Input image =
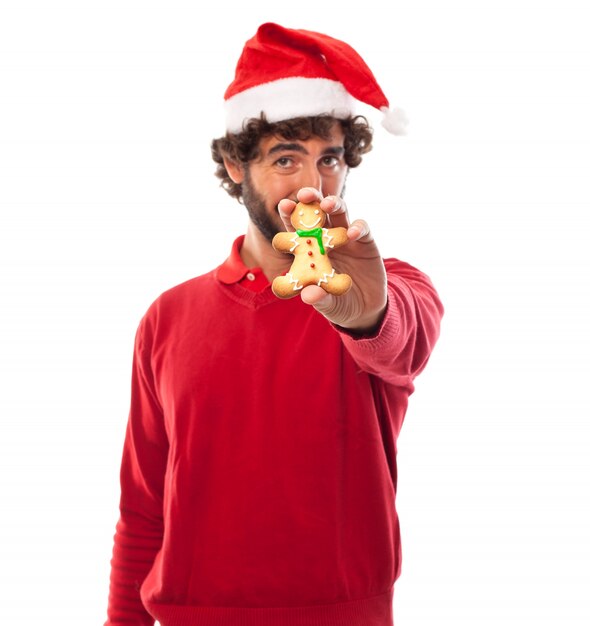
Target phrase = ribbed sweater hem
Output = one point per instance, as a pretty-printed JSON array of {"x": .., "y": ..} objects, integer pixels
[{"x": 376, "y": 611}]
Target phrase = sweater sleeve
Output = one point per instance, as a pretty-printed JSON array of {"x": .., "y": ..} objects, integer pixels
[
  {"x": 401, "y": 347},
  {"x": 139, "y": 531}
]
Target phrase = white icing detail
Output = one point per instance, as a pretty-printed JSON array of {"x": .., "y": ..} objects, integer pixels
[
  {"x": 327, "y": 238},
  {"x": 300, "y": 212},
  {"x": 311, "y": 225},
  {"x": 292, "y": 279},
  {"x": 316, "y": 212},
  {"x": 295, "y": 241},
  {"x": 325, "y": 277}
]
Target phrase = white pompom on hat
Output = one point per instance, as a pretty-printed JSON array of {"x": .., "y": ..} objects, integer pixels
[{"x": 286, "y": 73}]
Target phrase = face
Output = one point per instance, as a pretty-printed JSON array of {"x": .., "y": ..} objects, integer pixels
[
  {"x": 307, "y": 217},
  {"x": 283, "y": 168}
]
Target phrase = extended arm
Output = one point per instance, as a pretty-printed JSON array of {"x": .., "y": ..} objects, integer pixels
[
  {"x": 398, "y": 350},
  {"x": 390, "y": 318}
]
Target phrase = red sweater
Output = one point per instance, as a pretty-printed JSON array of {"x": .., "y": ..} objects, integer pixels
[{"x": 258, "y": 477}]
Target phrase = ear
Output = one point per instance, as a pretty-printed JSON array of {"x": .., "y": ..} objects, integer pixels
[{"x": 235, "y": 170}]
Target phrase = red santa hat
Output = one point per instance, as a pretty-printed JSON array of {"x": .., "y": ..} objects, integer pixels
[{"x": 286, "y": 73}]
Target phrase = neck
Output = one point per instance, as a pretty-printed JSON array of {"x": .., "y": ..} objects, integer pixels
[{"x": 257, "y": 251}]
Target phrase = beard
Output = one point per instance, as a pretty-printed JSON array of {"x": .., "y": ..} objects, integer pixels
[{"x": 268, "y": 224}]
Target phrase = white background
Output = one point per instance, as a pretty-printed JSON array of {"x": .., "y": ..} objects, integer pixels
[{"x": 108, "y": 197}]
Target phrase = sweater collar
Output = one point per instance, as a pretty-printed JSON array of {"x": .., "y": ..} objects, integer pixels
[{"x": 233, "y": 270}]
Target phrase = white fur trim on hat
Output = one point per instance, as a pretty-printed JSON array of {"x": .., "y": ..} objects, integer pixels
[{"x": 287, "y": 98}]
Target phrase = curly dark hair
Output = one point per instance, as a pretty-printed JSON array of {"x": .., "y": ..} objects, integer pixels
[{"x": 244, "y": 147}]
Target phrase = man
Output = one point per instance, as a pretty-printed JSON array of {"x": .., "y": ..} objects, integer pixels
[{"x": 258, "y": 475}]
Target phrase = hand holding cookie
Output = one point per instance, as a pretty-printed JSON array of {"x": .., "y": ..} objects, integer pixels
[
  {"x": 310, "y": 244},
  {"x": 362, "y": 307}
]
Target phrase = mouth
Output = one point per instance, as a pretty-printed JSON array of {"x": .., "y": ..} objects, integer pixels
[{"x": 311, "y": 225}]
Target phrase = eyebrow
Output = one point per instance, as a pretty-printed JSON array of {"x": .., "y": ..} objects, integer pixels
[{"x": 296, "y": 147}]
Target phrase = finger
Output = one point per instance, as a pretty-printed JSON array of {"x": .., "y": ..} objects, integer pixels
[
  {"x": 285, "y": 208},
  {"x": 317, "y": 297},
  {"x": 336, "y": 209},
  {"x": 308, "y": 195},
  {"x": 359, "y": 231}
]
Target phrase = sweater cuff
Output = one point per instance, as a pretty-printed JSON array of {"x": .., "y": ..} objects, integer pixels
[{"x": 385, "y": 335}]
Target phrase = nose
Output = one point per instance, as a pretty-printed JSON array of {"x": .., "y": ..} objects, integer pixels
[{"x": 310, "y": 177}]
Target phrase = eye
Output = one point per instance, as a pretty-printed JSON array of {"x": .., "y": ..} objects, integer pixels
[
  {"x": 301, "y": 213},
  {"x": 316, "y": 212},
  {"x": 284, "y": 162},
  {"x": 330, "y": 161}
]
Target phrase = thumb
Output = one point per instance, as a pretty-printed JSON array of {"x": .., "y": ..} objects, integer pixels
[{"x": 322, "y": 301}]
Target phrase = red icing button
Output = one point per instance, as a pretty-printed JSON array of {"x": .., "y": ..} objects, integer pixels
[
  {"x": 310, "y": 253},
  {"x": 309, "y": 241},
  {"x": 312, "y": 265}
]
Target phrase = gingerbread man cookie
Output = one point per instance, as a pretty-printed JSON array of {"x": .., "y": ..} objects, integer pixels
[{"x": 310, "y": 244}]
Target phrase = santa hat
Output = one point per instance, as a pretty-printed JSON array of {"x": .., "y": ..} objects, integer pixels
[{"x": 286, "y": 73}]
